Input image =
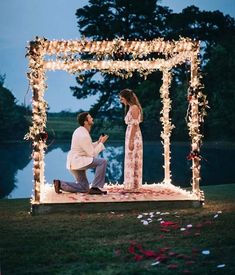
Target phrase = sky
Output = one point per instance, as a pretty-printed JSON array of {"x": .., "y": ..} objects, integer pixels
[{"x": 22, "y": 20}]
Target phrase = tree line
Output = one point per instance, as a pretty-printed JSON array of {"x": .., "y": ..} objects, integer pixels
[{"x": 14, "y": 123}]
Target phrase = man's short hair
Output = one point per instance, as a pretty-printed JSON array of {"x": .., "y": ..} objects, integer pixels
[{"x": 82, "y": 117}]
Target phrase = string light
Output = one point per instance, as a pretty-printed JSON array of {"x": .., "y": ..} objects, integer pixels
[{"x": 104, "y": 54}]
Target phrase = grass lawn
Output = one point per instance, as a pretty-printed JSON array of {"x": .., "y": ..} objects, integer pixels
[
  {"x": 119, "y": 243},
  {"x": 61, "y": 128}
]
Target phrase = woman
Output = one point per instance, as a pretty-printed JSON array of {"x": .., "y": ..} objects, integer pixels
[{"x": 133, "y": 140}]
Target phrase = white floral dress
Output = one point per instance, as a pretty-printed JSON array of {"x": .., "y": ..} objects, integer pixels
[{"x": 133, "y": 159}]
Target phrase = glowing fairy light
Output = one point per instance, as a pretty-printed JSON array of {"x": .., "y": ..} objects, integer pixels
[{"x": 66, "y": 56}]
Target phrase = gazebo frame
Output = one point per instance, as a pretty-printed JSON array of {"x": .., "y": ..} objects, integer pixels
[{"x": 66, "y": 53}]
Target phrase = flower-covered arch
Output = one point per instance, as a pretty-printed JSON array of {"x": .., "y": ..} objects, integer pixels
[{"x": 66, "y": 55}]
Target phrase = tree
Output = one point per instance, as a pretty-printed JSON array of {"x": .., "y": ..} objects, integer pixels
[
  {"x": 109, "y": 19},
  {"x": 13, "y": 124},
  {"x": 219, "y": 84},
  {"x": 210, "y": 27},
  {"x": 105, "y": 19}
]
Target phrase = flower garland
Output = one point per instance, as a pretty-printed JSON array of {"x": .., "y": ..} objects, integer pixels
[
  {"x": 120, "y": 58},
  {"x": 166, "y": 122}
]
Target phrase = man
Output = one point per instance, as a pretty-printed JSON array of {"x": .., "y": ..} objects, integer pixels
[{"x": 82, "y": 156}]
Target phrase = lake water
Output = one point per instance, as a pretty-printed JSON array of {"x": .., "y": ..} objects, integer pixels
[{"x": 16, "y": 175}]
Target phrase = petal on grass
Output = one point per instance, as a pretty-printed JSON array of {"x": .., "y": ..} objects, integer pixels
[
  {"x": 190, "y": 262},
  {"x": 172, "y": 254},
  {"x": 138, "y": 257},
  {"x": 149, "y": 253},
  {"x": 168, "y": 223},
  {"x": 172, "y": 266},
  {"x": 165, "y": 230},
  {"x": 72, "y": 198},
  {"x": 205, "y": 252},
  {"x": 186, "y": 271},
  {"x": 220, "y": 265},
  {"x": 155, "y": 263},
  {"x": 131, "y": 249}
]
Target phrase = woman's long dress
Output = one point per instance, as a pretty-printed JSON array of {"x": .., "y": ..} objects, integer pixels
[{"x": 133, "y": 159}]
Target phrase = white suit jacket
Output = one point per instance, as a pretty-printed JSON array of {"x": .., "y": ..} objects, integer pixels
[{"x": 83, "y": 150}]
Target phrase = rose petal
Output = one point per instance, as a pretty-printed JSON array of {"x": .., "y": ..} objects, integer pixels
[
  {"x": 155, "y": 263},
  {"x": 190, "y": 262},
  {"x": 186, "y": 271},
  {"x": 138, "y": 257},
  {"x": 220, "y": 265},
  {"x": 149, "y": 253},
  {"x": 172, "y": 254},
  {"x": 172, "y": 266},
  {"x": 73, "y": 198},
  {"x": 199, "y": 225},
  {"x": 165, "y": 230},
  {"x": 131, "y": 249},
  {"x": 206, "y": 252}
]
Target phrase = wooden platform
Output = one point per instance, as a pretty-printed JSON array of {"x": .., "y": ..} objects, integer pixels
[{"x": 149, "y": 196}]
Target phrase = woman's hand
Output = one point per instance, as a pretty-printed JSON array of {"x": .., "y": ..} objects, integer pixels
[{"x": 131, "y": 145}]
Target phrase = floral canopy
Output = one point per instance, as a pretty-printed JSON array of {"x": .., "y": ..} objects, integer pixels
[{"x": 67, "y": 55}]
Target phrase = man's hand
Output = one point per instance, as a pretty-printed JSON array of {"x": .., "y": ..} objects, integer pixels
[{"x": 103, "y": 138}]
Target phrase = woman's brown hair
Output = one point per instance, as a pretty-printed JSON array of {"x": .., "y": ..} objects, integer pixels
[{"x": 131, "y": 99}]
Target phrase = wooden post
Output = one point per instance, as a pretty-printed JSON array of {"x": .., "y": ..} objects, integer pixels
[
  {"x": 166, "y": 123},
  {"x": 37, "y": 82},
  {"x": 195, "y": 124}
]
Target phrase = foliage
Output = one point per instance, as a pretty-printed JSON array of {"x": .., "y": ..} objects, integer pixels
[
  {"x": 109, "y": 20},
  {"x": 220, "y": 83},
  {"x": 103, "y": 19},
  {"x": 12, "y": 116}
]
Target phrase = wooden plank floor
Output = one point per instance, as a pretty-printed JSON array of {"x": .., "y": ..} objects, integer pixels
[{"x": 117, "y": 199}]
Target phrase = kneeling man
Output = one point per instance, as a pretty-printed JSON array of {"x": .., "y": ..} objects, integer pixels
[{"x": 82, "y": 156}]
